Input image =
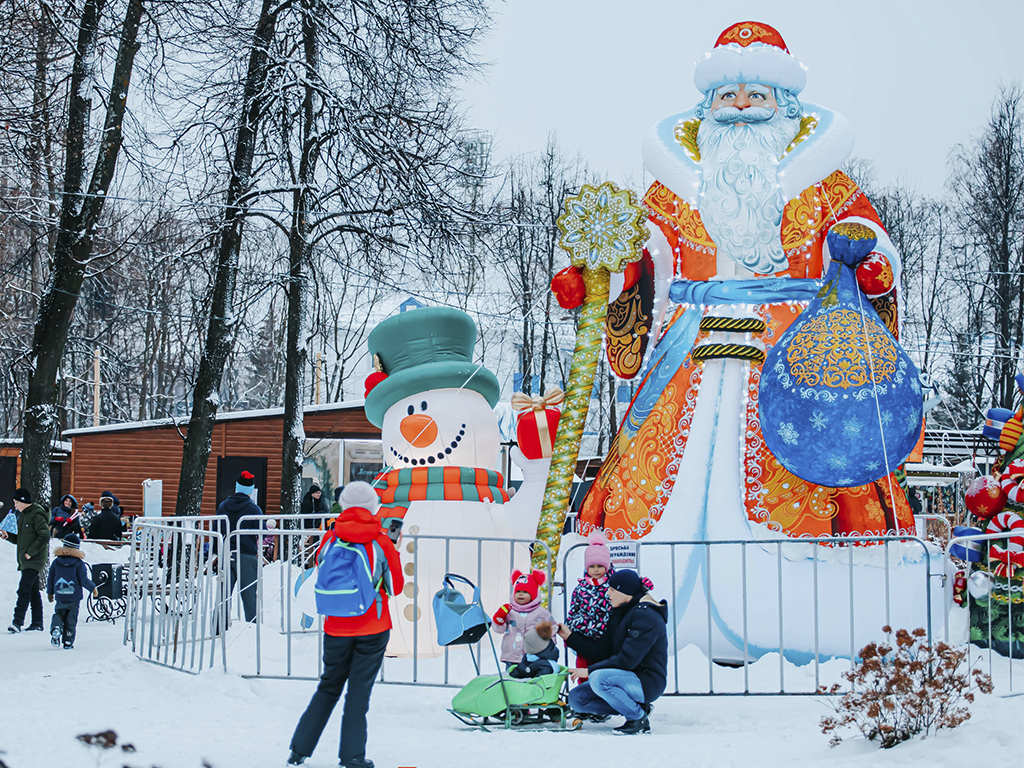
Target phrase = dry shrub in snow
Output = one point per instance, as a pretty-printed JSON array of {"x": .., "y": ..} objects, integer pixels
[{"x": 903, "y": 687}]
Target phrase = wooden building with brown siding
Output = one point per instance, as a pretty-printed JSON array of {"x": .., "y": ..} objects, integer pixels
[{"x": 119, "y": 457}]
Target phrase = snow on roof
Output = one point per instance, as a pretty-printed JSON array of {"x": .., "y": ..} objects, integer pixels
[
  {"x": 229, "y": 416},
  {"x": 58, "y": 445}
]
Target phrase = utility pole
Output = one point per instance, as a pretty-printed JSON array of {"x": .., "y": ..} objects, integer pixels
[
  {"x": 319, "y": 375},
  {"x": 96, "y": 388}
]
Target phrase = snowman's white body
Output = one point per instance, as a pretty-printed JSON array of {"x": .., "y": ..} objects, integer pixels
[{"x": 454, "y": 427}]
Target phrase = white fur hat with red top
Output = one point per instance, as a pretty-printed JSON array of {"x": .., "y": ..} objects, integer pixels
[
  {"x": 530, "y": 583},
  {"x": 750, "y": 52}
]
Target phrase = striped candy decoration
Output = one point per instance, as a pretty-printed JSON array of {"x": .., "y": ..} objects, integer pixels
[
  {"x": 1011, "y": 432},
  {"x": 1009, "y": 481},
  {"x": 1012, "y": 556}
]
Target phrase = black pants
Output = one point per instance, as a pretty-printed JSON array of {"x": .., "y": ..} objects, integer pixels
[
  {"x": 356, "y": 660},
  {"x": 29, "y": 594},
  {"x": 65, "y": 619}
]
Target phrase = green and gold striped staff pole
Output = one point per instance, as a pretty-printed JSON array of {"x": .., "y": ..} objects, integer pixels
[{"x": 603, "y": 230}]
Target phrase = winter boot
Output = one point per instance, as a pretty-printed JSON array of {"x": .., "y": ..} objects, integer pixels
[
  {"x": 359, "y": 762},
  {"x": 296, "y": 759},
  {"x": 35, "y": 627},
  {"x": 643, "y": 725},
  {"x": 14, "y": 629},
  {"x": 55, "y": 638}
]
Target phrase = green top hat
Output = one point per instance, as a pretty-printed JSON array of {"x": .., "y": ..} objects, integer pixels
[{"x": 425, "y": 349}]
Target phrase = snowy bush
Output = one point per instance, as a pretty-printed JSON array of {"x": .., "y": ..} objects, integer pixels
[{"x": 903, "y": 687}]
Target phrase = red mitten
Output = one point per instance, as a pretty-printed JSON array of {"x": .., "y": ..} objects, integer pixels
[{"x": 500, "y": 615}]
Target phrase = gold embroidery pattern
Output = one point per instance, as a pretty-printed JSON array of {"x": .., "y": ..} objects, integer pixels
[
  {"x": 686, "y": 137},
  {"x": 807, "y": 125},
  {"x": 887, "y": 308},
  {"x": 626, "y": 326},
  {"x": 830, "y": 350},
  {"x": 746, "y": 34}
]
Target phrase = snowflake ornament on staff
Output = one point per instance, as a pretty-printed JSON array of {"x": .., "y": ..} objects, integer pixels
[{"x": 603, "y": 230}]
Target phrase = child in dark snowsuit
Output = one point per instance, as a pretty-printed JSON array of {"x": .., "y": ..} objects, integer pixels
[
  {"x": 68, "y": 575},
  {"x": 589, "y": 608},
  {"x": 541, "y": 653}
]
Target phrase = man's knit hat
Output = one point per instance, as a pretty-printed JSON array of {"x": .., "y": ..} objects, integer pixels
[
  {"x": 23, "y": 496},
  {"x": 72, "y": 541},
  {"x": 359, "y": 494},
  {"x": 246, "y": 482},
  {"x": 627, "y": 582},
  {"x": 530, "y": 583},
  {"x": 597, "y": 552}
]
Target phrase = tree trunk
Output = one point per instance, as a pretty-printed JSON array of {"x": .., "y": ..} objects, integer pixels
[
  {"x": 220, "y": 334},
  {"x": 299, "y": 251},
  {"x": 78, "y": 218}
]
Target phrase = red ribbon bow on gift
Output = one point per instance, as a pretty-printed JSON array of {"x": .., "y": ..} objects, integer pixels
[
  {"x": 524, "y": 402},
  {"x": 1008, "y": 561}
]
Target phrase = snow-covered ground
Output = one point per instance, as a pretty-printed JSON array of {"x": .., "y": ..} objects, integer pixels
[{"x": 49, "y": 696}]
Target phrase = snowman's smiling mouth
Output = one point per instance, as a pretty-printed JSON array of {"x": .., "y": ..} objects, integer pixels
[{"x": 434, "y": 458}]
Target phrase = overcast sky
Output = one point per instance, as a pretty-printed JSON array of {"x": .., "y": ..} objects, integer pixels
[{"x": 915, "y": 77}]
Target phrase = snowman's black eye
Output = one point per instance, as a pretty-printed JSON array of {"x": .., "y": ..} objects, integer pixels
[
  {"x": 423, "y": 405},
  {"x": 411, "y": 410}
]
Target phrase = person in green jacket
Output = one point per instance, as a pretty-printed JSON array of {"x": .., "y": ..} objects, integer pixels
[{"x": 32, "y": 538}]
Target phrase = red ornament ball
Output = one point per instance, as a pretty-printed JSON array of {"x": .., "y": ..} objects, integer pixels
[
  {"x": 984, "y": 498},
  {"x": 874, "y": 275},
  {"x": 568, "y": 287}
]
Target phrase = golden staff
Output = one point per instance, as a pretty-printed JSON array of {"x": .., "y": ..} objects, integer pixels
[{"x": 603, "y": 230}]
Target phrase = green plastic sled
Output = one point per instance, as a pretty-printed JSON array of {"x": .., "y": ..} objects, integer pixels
[{"x": 483, "y": 696}]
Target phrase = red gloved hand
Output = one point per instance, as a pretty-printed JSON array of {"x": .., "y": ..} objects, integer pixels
[{"x": 500, "y": 615}]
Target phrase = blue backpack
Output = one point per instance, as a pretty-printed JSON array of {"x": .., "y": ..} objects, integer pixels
[{"x": 347, "y": 583}]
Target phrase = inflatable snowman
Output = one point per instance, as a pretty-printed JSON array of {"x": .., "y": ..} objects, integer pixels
[{"x": 441, "y": 445}]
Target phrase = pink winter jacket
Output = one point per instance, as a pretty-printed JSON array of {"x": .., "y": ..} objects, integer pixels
[{"x": 520, "y": 620}]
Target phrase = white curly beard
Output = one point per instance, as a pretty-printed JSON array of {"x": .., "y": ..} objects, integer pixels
[{"x": 740, "y": 201}]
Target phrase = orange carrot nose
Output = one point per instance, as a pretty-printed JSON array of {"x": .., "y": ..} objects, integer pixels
[{"x": 420, "y": 430}]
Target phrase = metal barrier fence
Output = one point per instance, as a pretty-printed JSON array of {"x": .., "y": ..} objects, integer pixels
[
  {"x": 817, "y": 599},
  {"x": 808, "y": 601},
  {"x": 176, "y": 613},
  {"x": 285, "y": 550},
  {"x": 990, "y": 586}
]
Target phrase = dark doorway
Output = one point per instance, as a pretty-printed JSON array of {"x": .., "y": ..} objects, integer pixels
[
  {"x": 230, "y": 467},
  {"x": 8, "y": 483}
]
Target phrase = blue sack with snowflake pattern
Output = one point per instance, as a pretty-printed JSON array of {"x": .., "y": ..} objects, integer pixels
[{"x": 840, "y": 400}]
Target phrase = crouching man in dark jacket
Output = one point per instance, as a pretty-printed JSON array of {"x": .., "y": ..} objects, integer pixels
[{"x": 632, "y": 667}]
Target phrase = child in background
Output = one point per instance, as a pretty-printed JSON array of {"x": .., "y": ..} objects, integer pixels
[
  {"x": 589, "y": 608},
  {"x": 68, "y": 575},
  {"x": 517, "y": 618}
]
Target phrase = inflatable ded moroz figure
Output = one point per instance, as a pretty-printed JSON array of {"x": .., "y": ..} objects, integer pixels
[
  {"x": 776, "y": 400},
  {"x": 441, "y": 445}
]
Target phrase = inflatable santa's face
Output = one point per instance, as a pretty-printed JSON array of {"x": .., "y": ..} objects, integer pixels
[{"x": 442, "y": 427}]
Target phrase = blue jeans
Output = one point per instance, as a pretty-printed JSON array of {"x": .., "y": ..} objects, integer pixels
[{"x": 609, "y": 692}]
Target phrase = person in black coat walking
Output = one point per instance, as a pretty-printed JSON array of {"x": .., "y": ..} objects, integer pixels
[
  {"x": 631, "y": 667},
  {"x": 243, "y": 554},
  {"x": 314, "y": 503}
]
